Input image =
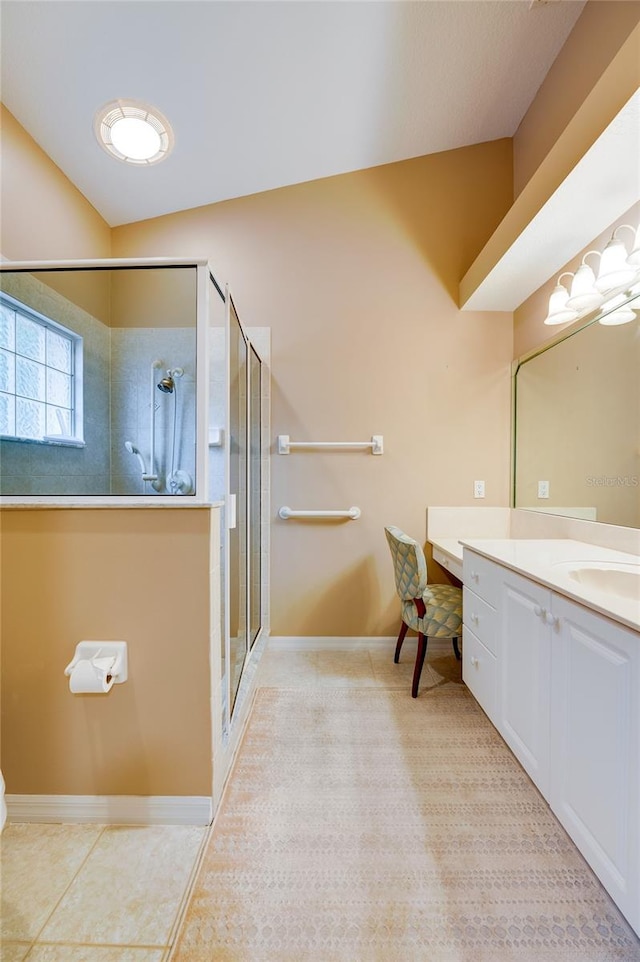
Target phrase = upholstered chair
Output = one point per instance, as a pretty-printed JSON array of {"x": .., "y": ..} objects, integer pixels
[{"x": 434, "y": 611}]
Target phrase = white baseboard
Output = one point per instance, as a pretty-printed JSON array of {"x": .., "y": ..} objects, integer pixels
[
  {"x": 348, "y": 643},
  {"x": 327, "y": 642},
  {"x": 112, "y": 809}
]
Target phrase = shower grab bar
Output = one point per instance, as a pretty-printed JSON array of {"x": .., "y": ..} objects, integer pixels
[
  {"x": 285, "y": 444},
  {"x": 351, "y": 513},
  {"x": 152, "y": 475}
]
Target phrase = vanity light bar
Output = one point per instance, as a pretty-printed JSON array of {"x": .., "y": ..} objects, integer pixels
[{"x": 618, "y": 269}]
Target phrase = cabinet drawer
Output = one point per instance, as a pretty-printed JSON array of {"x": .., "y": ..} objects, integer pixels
[
  {"x": 479, "y": 672},
  {"x": 480, "y": 617},
  {"x": 482, "y": 576},
  {"x": 451, "y": 564}
]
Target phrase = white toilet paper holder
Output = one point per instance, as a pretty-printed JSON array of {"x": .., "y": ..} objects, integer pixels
[{"x": 109, "y": 656}]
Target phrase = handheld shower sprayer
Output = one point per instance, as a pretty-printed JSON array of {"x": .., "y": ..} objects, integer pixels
[{"x": 132, "y": 449}]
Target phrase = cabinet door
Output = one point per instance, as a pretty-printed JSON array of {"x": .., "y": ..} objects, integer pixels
[
  {"x": 524, "y": 657},
  {"x": 595, "y": 769}
]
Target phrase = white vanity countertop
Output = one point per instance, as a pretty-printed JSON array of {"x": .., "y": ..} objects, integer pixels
[{"x": 537, "y": 559}]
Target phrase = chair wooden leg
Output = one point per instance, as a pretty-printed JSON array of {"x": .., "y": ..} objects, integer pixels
[
  {"x": 417, "y": 671},
  {"x": 403, "y": 631},
  {"x": 456, "y": 650}
]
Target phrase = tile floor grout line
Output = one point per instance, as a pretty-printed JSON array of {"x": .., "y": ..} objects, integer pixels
[
  {"x": 147, "y": 946},
  {"x": 72, "y": 880},
  {"x": 19, "y": 942}
]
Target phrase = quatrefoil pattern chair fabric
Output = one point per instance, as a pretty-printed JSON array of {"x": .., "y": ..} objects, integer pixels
[
  {"x": 434, "y": 611},
  {"x": 443, "y": 617},
  {"x": 444, "y": 612}
]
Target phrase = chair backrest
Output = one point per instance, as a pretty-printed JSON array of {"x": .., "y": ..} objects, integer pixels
[{"x": 409, "y": 565}]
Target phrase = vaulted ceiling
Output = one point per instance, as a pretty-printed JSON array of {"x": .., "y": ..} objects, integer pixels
[{"x": 264, "y": 93}]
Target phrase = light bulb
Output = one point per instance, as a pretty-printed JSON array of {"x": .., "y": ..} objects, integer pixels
[{"x": 135, "y": 138}]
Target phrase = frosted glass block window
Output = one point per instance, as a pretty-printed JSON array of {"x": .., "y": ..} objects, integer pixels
[
  {"x": 40, "y": 376},
  {"x": 30, "y": 338}
]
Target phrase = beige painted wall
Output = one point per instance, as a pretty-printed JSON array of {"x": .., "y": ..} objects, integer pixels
[
  {"x": 45, "y": 217},
  {"x": 164, "y": 297},
  {"x": 599, "y": 33},
  {"x": 357, "y": 277},
  {"x": 135, "y": 575}
]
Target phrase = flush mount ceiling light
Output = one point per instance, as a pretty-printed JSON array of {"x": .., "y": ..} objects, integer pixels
[{"x": 133, "y": 132}]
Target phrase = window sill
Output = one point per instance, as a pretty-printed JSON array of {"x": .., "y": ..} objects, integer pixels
[{"x": 55, "y": 440}]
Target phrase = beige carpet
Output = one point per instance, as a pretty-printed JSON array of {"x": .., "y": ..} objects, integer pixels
[{"x": 362, "y": 825}]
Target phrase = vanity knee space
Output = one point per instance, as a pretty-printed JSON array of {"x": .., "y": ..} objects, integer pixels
[{"x": 561, "y": 683}]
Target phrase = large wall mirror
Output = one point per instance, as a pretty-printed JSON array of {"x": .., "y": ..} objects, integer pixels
[{"x": 577, "y": 426}]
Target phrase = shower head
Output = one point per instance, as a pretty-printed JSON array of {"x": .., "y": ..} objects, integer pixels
[{"x": 167, "y": 384}]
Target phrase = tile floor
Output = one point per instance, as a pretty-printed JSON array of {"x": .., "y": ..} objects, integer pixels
[{"x": 90, "y": 893}]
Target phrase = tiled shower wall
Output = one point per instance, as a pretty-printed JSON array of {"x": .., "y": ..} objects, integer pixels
[
  {"x": 117, "y": 393},
  {"x": 133, "y": 390}
]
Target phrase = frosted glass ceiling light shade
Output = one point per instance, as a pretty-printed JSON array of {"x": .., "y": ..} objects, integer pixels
[
  {"x": 634, "y": 256},
  {"x": 559, "y": 313},
  {"x": 622, "y": 316},
  {"x": 133, "y": 132},
  {"x": 614, "y": 269},
  {"x": 584, "y": 296}
]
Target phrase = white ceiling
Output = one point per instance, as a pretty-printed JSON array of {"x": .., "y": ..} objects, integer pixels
[{"x": 266, "y": 93}]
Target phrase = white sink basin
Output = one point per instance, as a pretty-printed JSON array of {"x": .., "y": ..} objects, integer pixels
[{"x": 618, "y": 578}]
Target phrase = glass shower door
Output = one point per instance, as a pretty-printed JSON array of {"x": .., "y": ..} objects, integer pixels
[
  {"x": 237, "y": 508},
  {"x": 255, "y": 492}
]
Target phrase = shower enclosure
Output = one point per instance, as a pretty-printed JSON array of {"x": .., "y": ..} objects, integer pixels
[
  {"x": 134, "y": 383},
  {"x": 239, "y": 468},
  {"x": 82, "y": 351}
]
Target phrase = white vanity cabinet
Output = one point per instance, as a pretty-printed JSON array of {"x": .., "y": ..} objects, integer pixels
[
  {"x": 595, "y": 745},
  {"x": 561, "y": 683},
  {"x": 479, "y": 631},
  {"x": 524, "y": 673}
]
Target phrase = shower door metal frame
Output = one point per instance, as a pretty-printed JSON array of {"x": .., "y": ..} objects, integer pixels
[{"x": 234, "y": 699}]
